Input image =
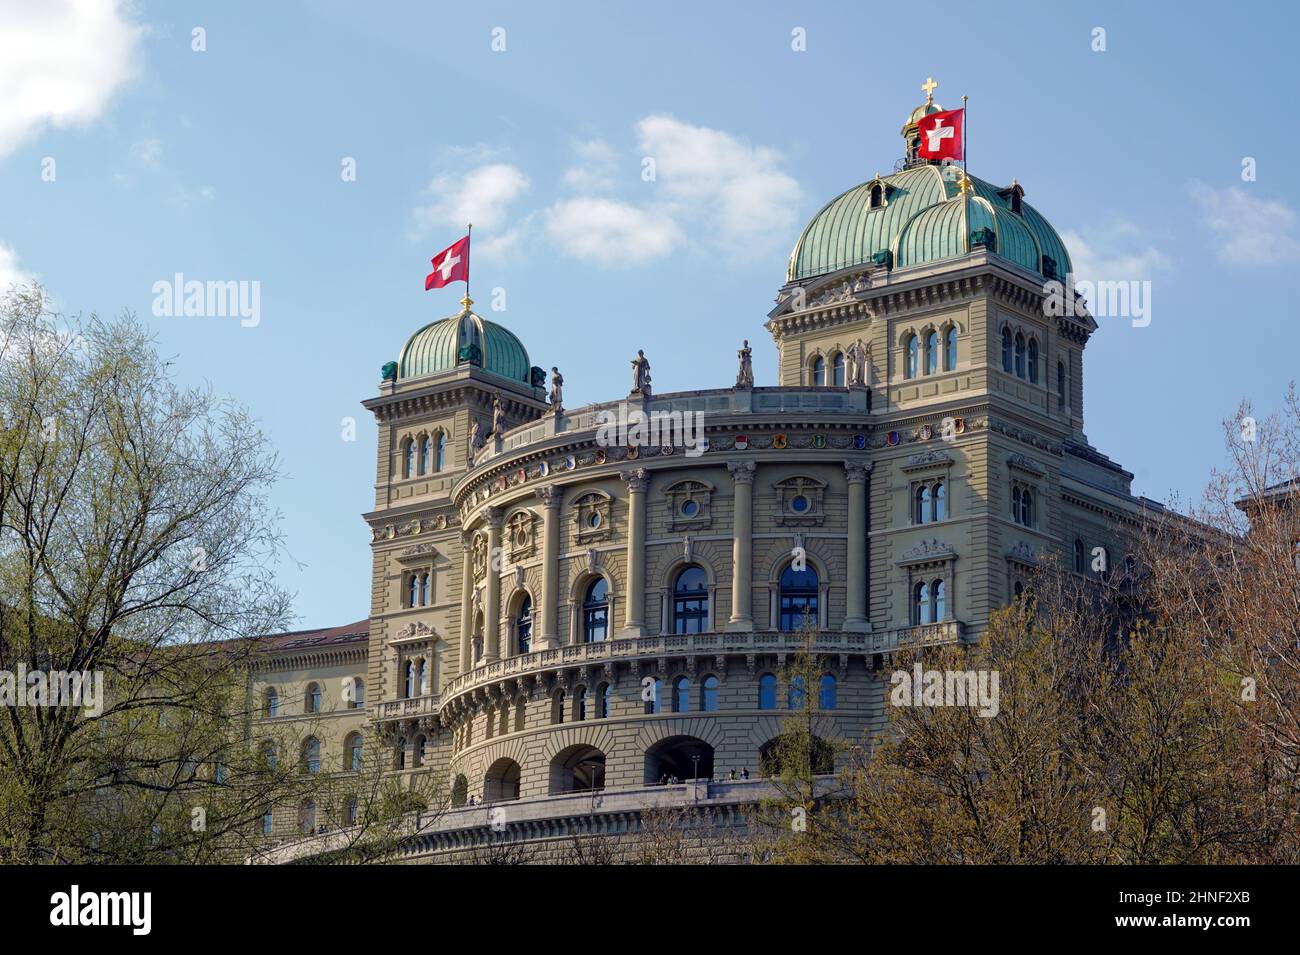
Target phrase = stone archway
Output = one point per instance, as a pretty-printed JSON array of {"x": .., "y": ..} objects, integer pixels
[{"x": 675, "y": 757}]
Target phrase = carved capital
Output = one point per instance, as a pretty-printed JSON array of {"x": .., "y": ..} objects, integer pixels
[
  {"x": 494, "y": 516},
  {"x": 637, "y": 479},
  {"x": 742, "y": 472},
  {"x": 550, "y": 495},
  {"x": 857, "y": 471}
]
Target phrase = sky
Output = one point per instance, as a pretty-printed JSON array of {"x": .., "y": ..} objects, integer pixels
[{"x": 325, "y": 151}]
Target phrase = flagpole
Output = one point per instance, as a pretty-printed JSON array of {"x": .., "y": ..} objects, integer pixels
[
  {"x": 469, "y": 231},
  {"x": 965, "y": 117}
]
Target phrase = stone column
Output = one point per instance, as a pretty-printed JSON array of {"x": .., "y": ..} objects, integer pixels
[
  {"x": 548, "y": 636},
  {"x": 855, "y": 618},
  {"x": 634, "y": 615},
  {"x": 742, "y": 547},
  {"x": 467, "y": 603},
  {"x": 492, "y": 612}
]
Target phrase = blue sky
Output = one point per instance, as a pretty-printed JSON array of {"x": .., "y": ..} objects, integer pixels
[{"x": 225, "y": 164}]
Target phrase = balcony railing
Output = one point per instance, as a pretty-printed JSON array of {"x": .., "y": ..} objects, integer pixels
[
  {"x": 407, "y": 708},
  {"x": 713, "y": 643}
]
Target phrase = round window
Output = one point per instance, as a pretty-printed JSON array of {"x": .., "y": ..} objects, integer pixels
[
  {"x": 799, "y": 504},
  {"x": 690, "y": 508},
  {"x": 594, "y": 519}
]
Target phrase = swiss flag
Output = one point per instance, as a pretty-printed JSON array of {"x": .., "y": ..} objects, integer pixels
[
  {"x": 941, "y": 135},
  {"x": 449, "y": 265}
]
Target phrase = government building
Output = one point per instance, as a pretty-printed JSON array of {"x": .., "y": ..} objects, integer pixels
[{"x": 572, "y": 623}]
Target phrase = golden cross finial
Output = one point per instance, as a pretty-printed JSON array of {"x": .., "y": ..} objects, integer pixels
[
  {"x": 465, "y": 303},
  {"x": 928, "y": 87}
]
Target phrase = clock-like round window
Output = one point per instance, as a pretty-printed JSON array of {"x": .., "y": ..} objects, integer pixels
[
  {"x": 690, "y": 508},
  {"x": 594, "y": 520},
  {"x": 799, "y": 504}
]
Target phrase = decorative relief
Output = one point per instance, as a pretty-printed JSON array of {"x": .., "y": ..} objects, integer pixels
[
  {"x": 592, "y": 514},
  {"x": 800, "y": 501},
  {"x": 928, "y": 551},
  {"x": 1027, "y": 464},
  {"x": 928, "y": 459},
  {"x": 414, "y": 629},
  {"x": 521, "y": 535},
  {"x": 689, "y": 505},
  {"x": 1023, "y": 553},
  {"x": 479, "y": 556}
]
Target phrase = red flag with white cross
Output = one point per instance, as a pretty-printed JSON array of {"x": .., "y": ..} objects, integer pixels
[
  {"x": 941, "y": 135},
  {"x": 450, "y": 265}
]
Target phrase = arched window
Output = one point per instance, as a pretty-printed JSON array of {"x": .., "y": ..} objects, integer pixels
[
  {"x": 819, "y": 371},
  {"x": 595, "y": 612},
  {"x": 440, "y": 452},
  {"x": 350, "y": 811},
  {"x": 950, "y": 349},
  {"x": 311, "y": 755},
  {"x": 877, "y": 196},
  {"x": 1015, "y": 503},
  {"x": 425, "y": 583},
  {"x": 408, "y": 458},
  {"x": 798, "y": 597},
  {"x": 1033, "y": 361},
  {"x": 410, "y": 679},
  {"x": 691, "y": 601},
  {"x": 655, "y": 703},
  {"x": 424, "y": 677},
  {"x": 399, "y": 755},
  {"x": 557, "y": 707},
  {"x": 354, "y": 752},
  {"x": 931, "y": 353},
  {"x": 271, "y": 705},
  {"x": 1079, "y": 563},
  {"x": 524, "y": 625},
  {"x": 425, "y": 450},
  {"x": 270, "y": 757},
  {"x": 937, "y": 589},
  {"x": 358, "y": 694},
  {"x": 1020, "y": 355},
  {"x": 1026, "y": 508},
  {"x": 794, "y": 697},
  {"x": 580, "y": 704},
  {"x": 307, "y": 817},
  {"x": 940, "y": 501},
  {"x": 909, "y": 370},
  {"x": 268, "y": 821},
  {"x": 312, "y": 701},
  {"x": 709, "y": 694},
  {"x": 604, "y": 697},
  {"x": 413, "y": 591},
  {"x": 767, "y": 692},
  {"x": 421, "y": 749},
  {"x": 1060, "y": 384},
  {"x": 923, "y": 504},
  {"x": 1006, "y": 351},
  {"x": 837, "y": 369},
  {"x": 826, "y": 694},
  {"x": 681, "y": 695},
  {"x": 921, "y": 604}
]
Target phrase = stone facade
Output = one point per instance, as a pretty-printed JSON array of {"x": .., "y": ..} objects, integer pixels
[{"x": 923, "y": 451}]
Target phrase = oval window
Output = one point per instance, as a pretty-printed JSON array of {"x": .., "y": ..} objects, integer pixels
[
  {"x": 594, "y": 519},
  {"x": 690, "y": 508},
  {"x": 799, "y": 504}
]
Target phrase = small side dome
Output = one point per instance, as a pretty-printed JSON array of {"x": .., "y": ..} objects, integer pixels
[{"x": 464, "y": 339}]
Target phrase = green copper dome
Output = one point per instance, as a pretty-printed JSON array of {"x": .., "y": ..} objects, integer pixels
[
  {"x": 464, "y": 339},
  {"x": 922, "y": 217}
]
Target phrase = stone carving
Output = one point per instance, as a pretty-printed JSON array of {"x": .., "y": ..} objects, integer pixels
[
  {"x": 498, "y": 417},
  {"x": 414, "y": 629},
  {"x": 557, "y": 391},
  {"x": 857, "y": 359},
  {"x": 745, "y": 374},
  {"x": 932, "y": 549},
  {"x": 476, "y": 442},
  {"x": 1024, "y": 553},
  {"x": 641, "y": 374},
  {"x": 742, "y": 472},
  {"x": 637, "y": 479}
]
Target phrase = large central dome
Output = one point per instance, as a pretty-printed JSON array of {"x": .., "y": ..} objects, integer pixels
[
  {"x": 922, "y": 215},
  {"x": 464, "y": 339}
]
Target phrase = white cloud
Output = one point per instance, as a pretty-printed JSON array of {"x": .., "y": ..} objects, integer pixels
[
  {"x": 596, "y": 167},
  {"x": 61, "y": 61},
  {"x": 1115, "y": 251},
  {"x": 724, "y": 184},
  {"x": 148, "y": 152},
  {"x": 1248, "y": 230},
  {"x": 10, "y": 273},
  {"x": 482, "y": 195},
  {"x": 611, "y": 233}
]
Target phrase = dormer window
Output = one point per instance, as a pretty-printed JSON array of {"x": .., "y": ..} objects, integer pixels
[{"x": 877, "y": 196}]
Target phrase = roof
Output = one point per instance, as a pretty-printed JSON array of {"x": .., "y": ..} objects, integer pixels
[
  {"x": 358, "y": 632},
  {"x": 444, "y": 344},
  {"x": 925, "y": 217}
]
